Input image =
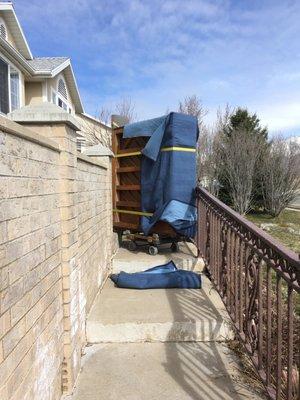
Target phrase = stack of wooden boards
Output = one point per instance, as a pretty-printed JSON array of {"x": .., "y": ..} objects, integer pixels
[{"x": 126, "y": 181}]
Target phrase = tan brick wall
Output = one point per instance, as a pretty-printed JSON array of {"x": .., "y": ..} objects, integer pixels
[
  {"x": 94, "y": 228},
  {"x": 30, "y": 270},
  {"x": 55, "y": 251}
]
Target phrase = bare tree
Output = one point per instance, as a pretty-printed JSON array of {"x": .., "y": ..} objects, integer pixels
[
  {"x": 94, "y": 131},
  {"x": 223, "y": 118},
  {"x": 126, "y": 108},
  {"x": 280, "y": 175},
  {"x": 208, "y": 156},
  {"x": 97, "y": 130},
  {"x": 105, "y": 115},
  {"x": 239, "y": 153},
  {"x": 192, "y": 105}
]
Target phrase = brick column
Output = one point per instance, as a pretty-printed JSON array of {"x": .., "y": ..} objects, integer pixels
[{"x": 51, "y": 121}]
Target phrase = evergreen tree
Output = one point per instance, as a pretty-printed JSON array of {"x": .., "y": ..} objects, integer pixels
[{"x": 242, "y": 120}]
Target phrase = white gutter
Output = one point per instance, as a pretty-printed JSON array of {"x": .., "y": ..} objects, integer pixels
[
  {"x": 60, "y": 67},
  {"x": 16, "y": 55}
]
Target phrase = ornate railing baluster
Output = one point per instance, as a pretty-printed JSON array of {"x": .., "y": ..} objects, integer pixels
[
  {"x": 269, "y": 328},
  {"x": 279, "y": 337},
  {"x": 290, "y": 345},
  {"x": 259, "y": 282}
]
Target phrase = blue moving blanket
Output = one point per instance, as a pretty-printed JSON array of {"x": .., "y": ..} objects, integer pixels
[
  {"x": 165, "y": 276},
  {"x": 168, "y": 178}
]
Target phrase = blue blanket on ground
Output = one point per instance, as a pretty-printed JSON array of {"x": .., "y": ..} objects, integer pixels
[
  {"x": 165, "y": 276},
  {"x": 168, "y": 171}
]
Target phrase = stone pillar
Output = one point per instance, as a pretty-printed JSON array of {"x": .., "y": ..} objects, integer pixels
[{"x": 53, "y": 122}]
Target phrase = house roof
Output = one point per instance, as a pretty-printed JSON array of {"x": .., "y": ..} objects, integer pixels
[
  {"x": 45, "y": 67},
  {"x": 36, "y": 67},
  {"x": 12, "y": 22},
  {"x": 47, "y": 63}
]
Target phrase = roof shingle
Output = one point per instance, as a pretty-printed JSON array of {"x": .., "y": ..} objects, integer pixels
[{"x": 46, "y": 63}]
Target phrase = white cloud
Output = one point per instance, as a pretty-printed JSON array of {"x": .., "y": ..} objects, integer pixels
[
  {"x": 241, "y": 53},
  {"x": 280, "y": 117}
]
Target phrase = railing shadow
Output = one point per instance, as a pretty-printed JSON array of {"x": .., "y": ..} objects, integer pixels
[{"x": 201, "y": 369}]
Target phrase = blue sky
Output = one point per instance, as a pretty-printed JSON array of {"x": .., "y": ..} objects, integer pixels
[{"x": 245, "y": 53}]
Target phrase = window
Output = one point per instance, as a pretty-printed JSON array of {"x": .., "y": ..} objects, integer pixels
[
  {"x": 60, "y": 97},
  {"x": 61, "y": 88},
  {"x": 14, "y": 90},
  {"x": 9, "y": 88},
  {"x": 59, "y": 101},
  {"x": 62, "y": 104}
]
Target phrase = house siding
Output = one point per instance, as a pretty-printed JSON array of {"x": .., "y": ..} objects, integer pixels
[{"x": 33, "y": 93}]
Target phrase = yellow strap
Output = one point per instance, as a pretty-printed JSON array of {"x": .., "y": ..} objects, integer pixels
[
  {"x": 173, "y": 148},
  {"x": 146, "y": 214},
  {"x": 134, "y": 153}
]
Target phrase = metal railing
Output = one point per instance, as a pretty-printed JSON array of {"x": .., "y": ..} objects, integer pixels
[{"x": 259, "y": 282}]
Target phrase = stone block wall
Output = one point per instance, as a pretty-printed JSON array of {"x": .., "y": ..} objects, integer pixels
[
  {"x": 55, "y": 252},
  {"x": 94, "y": 228}
]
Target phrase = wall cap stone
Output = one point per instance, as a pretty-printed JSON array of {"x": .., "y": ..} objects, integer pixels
[
  {"x": 90, "y": 160},
  {"x": 98, "y": 151},
  {"x": 44, "y": 113},
  {"x": 13, "y": 128}
]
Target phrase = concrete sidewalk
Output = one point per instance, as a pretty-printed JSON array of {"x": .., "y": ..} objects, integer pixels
[
  {"x": 126, "y": 315},
  {"x": 185, "y": 258},
  {"x": 162, "y": 371},
  {"x": 161, "y": 343}
]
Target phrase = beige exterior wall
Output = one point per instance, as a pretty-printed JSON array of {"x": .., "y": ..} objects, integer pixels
[
  {"x": 55, "y": 252},
  {"x": 33, "y": 93}
]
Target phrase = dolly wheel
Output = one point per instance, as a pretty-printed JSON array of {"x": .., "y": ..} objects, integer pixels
[
  {"x": 132, "y": 246},
  {"x": 174, "y": 247},
  {"x": 153, "y": 250}
]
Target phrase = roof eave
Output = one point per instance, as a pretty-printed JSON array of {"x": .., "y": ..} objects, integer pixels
[
  {"x": 60, "y": 67},
  {"x": 29, "y": 55},
  {"x": 16, "y": 56},
  {"x": 75, "y": 92},
  {"x": 80, "y": 104},
  {"x": 26, "y": 52}
]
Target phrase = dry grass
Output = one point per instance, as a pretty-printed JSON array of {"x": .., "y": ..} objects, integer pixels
[
  {"x": 248, "y": 374},
  {"x": 286, "y": 227}
]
